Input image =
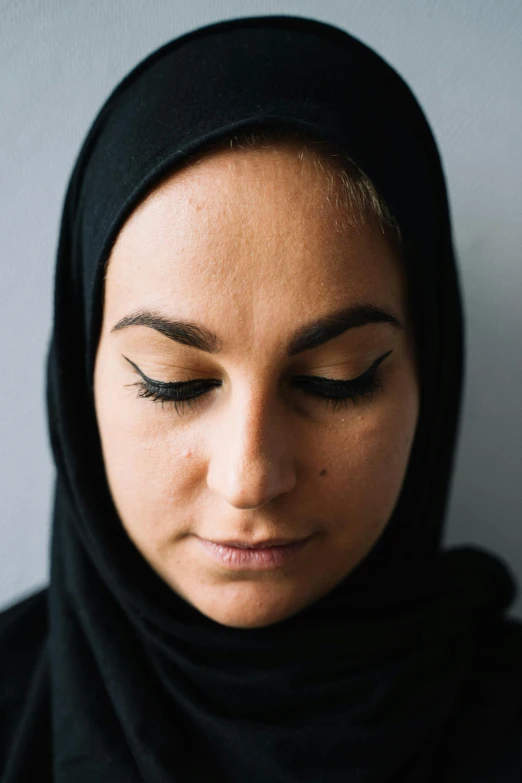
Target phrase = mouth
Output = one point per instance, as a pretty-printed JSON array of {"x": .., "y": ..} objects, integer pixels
[
  {"x": 265, "y": 544},
  {"x": 260, "y": 557}
]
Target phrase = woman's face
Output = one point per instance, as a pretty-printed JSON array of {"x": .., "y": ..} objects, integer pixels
[{"x": 246, "y": 246}]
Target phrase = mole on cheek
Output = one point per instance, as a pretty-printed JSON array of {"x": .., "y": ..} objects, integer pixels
[{"x": 322, "y": 472}]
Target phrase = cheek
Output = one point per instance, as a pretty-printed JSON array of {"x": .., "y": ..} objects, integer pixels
[
  {"x": 365, "y": 475},
  {"x": 146, "y": 459}
]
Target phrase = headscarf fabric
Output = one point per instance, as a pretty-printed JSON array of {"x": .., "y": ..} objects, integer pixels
[{"x": 133, "y": 682}]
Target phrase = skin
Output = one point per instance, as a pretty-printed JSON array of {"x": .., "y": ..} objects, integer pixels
[{"x": 246, "y": 244}]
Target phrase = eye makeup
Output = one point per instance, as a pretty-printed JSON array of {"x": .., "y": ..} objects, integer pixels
[{"x": 327, "y": 391}]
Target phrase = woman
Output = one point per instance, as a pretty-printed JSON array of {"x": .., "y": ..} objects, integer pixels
[{"x": 254, "y": 386}]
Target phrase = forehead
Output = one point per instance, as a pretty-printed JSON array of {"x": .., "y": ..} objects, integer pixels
[{"x": 248, "y": 225}]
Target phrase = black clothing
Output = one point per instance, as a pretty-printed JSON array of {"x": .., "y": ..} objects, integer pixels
[{"x": 408, "y": 671}]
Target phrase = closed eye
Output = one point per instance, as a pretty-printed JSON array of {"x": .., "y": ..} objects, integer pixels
[{"x": 330, "y": 391}]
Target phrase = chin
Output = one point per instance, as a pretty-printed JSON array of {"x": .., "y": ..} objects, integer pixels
[
  {"x": 243, "y": 611},
  {"x": 233, "y": 620}
]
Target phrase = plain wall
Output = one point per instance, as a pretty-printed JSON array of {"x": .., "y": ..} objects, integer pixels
[{"x": 463, "y": 60}]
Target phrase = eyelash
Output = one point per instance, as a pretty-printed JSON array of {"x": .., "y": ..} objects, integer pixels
[{"x": 335, "y": 393}]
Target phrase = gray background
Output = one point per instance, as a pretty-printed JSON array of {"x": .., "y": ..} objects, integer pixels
[{"x": 463, "y": 60}]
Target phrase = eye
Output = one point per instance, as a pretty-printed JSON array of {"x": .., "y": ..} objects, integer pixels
[
  {"x": 180, "y": 394},
  {"x": 329, "y": 391}
]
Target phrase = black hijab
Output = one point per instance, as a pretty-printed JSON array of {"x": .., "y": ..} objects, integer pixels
[{"x": 376, "y": 681}]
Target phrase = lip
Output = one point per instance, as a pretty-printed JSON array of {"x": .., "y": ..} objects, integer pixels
[
  {"x": 266, "y": 544},
  {"x": 253, "y": 558}
]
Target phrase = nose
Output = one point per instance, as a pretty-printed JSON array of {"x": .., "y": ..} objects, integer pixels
[{"x": 252, "y": 458}]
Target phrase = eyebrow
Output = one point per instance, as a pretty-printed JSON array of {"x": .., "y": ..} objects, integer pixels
[{"x": 305, "y": 338}]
